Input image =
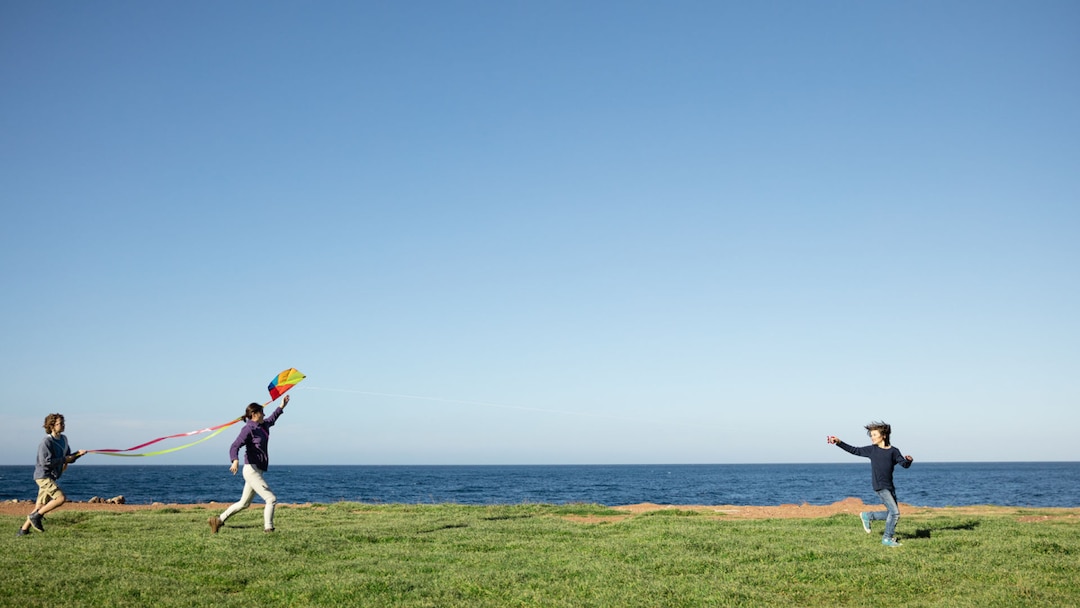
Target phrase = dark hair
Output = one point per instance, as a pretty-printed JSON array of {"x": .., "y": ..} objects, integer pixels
[
  {"x": 882, "y": 428},
  {"x": 253, "y": 408},
  {"x": 50, "y": 421}
]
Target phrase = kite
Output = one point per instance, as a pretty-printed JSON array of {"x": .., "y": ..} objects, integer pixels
[
  {"x": 278, "y": 386},
  {"x": 284, "y": 381}
]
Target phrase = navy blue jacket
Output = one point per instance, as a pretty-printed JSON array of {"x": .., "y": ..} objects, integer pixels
[{"x": 882, "y": 463}]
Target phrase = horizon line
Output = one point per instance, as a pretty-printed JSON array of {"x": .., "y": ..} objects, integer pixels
[{"x": 570, "y": 464}]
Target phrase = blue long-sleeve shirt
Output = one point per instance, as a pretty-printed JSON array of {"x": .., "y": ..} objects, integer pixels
[
  {"x": 255, "y": 438},
  {"x": 51, "y": 457},
  {"x": 882, "y": 463}
]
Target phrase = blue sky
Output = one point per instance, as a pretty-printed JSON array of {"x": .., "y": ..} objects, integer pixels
[{"x": 543, "y": 232}]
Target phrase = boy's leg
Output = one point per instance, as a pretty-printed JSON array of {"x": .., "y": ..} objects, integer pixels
[
  {"x": 49, "y": 497},
  {"x": 47, "y": 491},
  {"x": 58, "y": 499},
  {"x": 892, "y": 515},
  {"x": 42, "y": 499},
  {"x": 43, "y": 493}
]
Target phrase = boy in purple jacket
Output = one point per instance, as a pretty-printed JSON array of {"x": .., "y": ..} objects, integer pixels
[
  {"x": 255, "y": 438},
  {"x": 883, "y": 459}
]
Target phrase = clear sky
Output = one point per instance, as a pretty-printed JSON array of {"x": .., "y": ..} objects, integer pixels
[{"x": 543, "y": 232}]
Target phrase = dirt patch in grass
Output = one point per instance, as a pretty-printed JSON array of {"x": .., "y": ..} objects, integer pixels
[
  {"x": 1070, "y": 517},
  {"x": 851, "y": 506},
  {"x": 854, "y": 506},
  {"x": 596, "y": 519}
]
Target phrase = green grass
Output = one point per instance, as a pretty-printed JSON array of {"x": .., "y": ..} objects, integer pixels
[{"x": 532, "y": 555}]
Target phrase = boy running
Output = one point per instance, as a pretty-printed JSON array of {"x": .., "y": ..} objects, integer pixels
[
  {"x": 883, "y": 459},
  {"x": 53, "y": 456}
]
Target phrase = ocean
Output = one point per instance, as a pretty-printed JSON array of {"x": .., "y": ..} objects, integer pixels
[{"x": 930, "y": 484}]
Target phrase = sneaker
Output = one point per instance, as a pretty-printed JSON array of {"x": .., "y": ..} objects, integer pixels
[
  {"x": 890, "y": 542},
  {"x": 268, "y": 530},
  {"x": 865, "y": 517},
  {"x": 22, "y": 532},
  {"x": 35, "y": 521},
  {"x": 215, "y": 524}
]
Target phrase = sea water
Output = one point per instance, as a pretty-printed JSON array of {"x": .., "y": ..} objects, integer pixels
[{"x": 1030, "y": 484}]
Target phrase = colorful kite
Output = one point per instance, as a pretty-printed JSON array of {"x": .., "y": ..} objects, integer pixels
[
  {"x": 278, "y": 386},
  {"x": 284, "y": 381}
]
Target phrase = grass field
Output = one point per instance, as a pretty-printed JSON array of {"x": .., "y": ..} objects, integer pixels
[{"x": 349, "y": 554}]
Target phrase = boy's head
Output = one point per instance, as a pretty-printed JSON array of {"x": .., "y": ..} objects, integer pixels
[
  {"x": 252, "y": 409},
  {"x": 882, "y": 428},
  {"x": 51, "y": 420}
]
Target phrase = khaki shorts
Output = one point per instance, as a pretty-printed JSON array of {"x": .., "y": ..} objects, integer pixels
[{"x": 48, "y": 490}]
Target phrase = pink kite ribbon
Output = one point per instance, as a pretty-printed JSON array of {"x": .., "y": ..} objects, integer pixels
[
  {"x": 216, "y": 429},
  {"x": 278, "y": 387}
]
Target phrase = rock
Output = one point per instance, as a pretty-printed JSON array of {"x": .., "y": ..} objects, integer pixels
[
  {"x": 96, "y": 500},
  {"x": 116, "y": 500}
]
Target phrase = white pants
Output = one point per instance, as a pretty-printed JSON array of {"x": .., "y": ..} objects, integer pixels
[{"x": 254, "y": 484}]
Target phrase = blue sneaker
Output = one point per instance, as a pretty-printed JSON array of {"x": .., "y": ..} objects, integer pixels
[
  {"x": 890, "y": 542},
  {"x": 865, "y": 517},
  {"x": 35, "y": 521}
]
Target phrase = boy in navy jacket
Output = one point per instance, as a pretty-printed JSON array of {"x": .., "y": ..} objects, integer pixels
[{"x": 883, "y": 459}]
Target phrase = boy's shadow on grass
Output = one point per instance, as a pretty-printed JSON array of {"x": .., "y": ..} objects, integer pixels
[{"x": 927, "y": 531}]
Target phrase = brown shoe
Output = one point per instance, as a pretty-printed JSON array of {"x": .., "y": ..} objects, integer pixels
[{"x": 215, "y": 524}]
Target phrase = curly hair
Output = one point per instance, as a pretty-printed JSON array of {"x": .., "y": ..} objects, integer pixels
[
  {"x": 50, "y": 421},
  {"x": 884, "y": 428}
]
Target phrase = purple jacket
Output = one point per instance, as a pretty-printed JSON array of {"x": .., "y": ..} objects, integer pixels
[{"x": 256, "y": 439}]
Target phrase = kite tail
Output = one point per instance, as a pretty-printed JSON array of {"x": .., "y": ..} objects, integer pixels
[
  {"x": 215, "y": 430},
  {"x": 278, "y": 387}
]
